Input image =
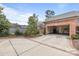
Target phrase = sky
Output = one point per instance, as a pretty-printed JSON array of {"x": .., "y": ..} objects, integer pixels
[{"x": 19, "y": 12}]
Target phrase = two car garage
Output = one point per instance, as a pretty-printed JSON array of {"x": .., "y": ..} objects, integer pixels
[{"x": 58, "y": 30}]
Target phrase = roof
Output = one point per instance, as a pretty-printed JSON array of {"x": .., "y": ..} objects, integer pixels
[
  {"x": 15, "y": 25},
  {"x": 64, "y": 15}
]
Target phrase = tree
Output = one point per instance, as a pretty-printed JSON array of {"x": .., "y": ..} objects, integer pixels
[
  {"x": 1, "y": 8},
  {"x": 4, "y": 23},
  {"x": 49, "y": 14},
  {"x": 31, "y": 29}
]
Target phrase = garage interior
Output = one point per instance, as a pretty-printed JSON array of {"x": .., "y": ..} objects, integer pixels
[{"x": 58, "y": 29}]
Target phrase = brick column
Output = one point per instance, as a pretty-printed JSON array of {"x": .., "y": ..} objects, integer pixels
[
  {"x": 60, "y": 29},
  {"x": 46, "y": 30},
  {"x": 72, "y": 29}
]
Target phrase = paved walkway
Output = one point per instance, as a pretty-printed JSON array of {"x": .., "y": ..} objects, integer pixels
[{"x": 48, "y": 45}]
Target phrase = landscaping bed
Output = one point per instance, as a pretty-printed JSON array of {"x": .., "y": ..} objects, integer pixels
[{"x": 75, "y": 41}]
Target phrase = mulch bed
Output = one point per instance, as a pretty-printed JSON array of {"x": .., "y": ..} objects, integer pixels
[{"x": 14, "y": 36}]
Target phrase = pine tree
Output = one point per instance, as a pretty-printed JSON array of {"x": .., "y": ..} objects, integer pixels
[{"x": 49, "y": 14}]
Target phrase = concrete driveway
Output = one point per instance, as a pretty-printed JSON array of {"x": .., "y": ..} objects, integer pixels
[{"x": 47, "y": 45}]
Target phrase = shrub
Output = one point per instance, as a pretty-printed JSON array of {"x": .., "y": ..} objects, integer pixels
[
  {"x": 76, "y": 36},
  {"x": 17, "y": 32},
  {"x": 4, "y": 33}
]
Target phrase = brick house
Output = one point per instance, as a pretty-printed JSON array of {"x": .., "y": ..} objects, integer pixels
[{"x": 66, "y": 23}]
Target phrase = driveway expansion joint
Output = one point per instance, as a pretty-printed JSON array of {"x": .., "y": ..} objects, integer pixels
[
  {"x": 28, "y": 49},
  {"x": 54, "y": 47},
  {"x": 14, "y": 48}
]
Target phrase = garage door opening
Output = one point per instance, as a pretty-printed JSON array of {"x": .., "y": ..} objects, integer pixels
[
  {"x": 59, "y": 29},
  {"x": 54, "y": 30}
]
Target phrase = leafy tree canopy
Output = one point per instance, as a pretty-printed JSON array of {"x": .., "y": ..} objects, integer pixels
[
  {"x": 49, "y": 13},
  {"x": 31, "y": 29},
  {"x": 4, "y": 23}
]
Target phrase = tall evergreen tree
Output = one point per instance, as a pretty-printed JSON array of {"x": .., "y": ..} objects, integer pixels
[{"x": 49, "y": 14}]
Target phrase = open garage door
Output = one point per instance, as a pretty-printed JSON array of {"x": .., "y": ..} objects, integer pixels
[{"x": 59, "y": 29}]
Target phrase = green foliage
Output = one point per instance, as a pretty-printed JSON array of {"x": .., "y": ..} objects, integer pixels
[
  {"x": 31, "y": 29},
  {"x": 49, "y": 14},
  {"x": 17, "y": 32},
  {"x": 75, "y": 37},
  {"x": 4, "y": 33},
  {"x": 1, "y": 8},
  {"x": 4, "y": 24}
]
